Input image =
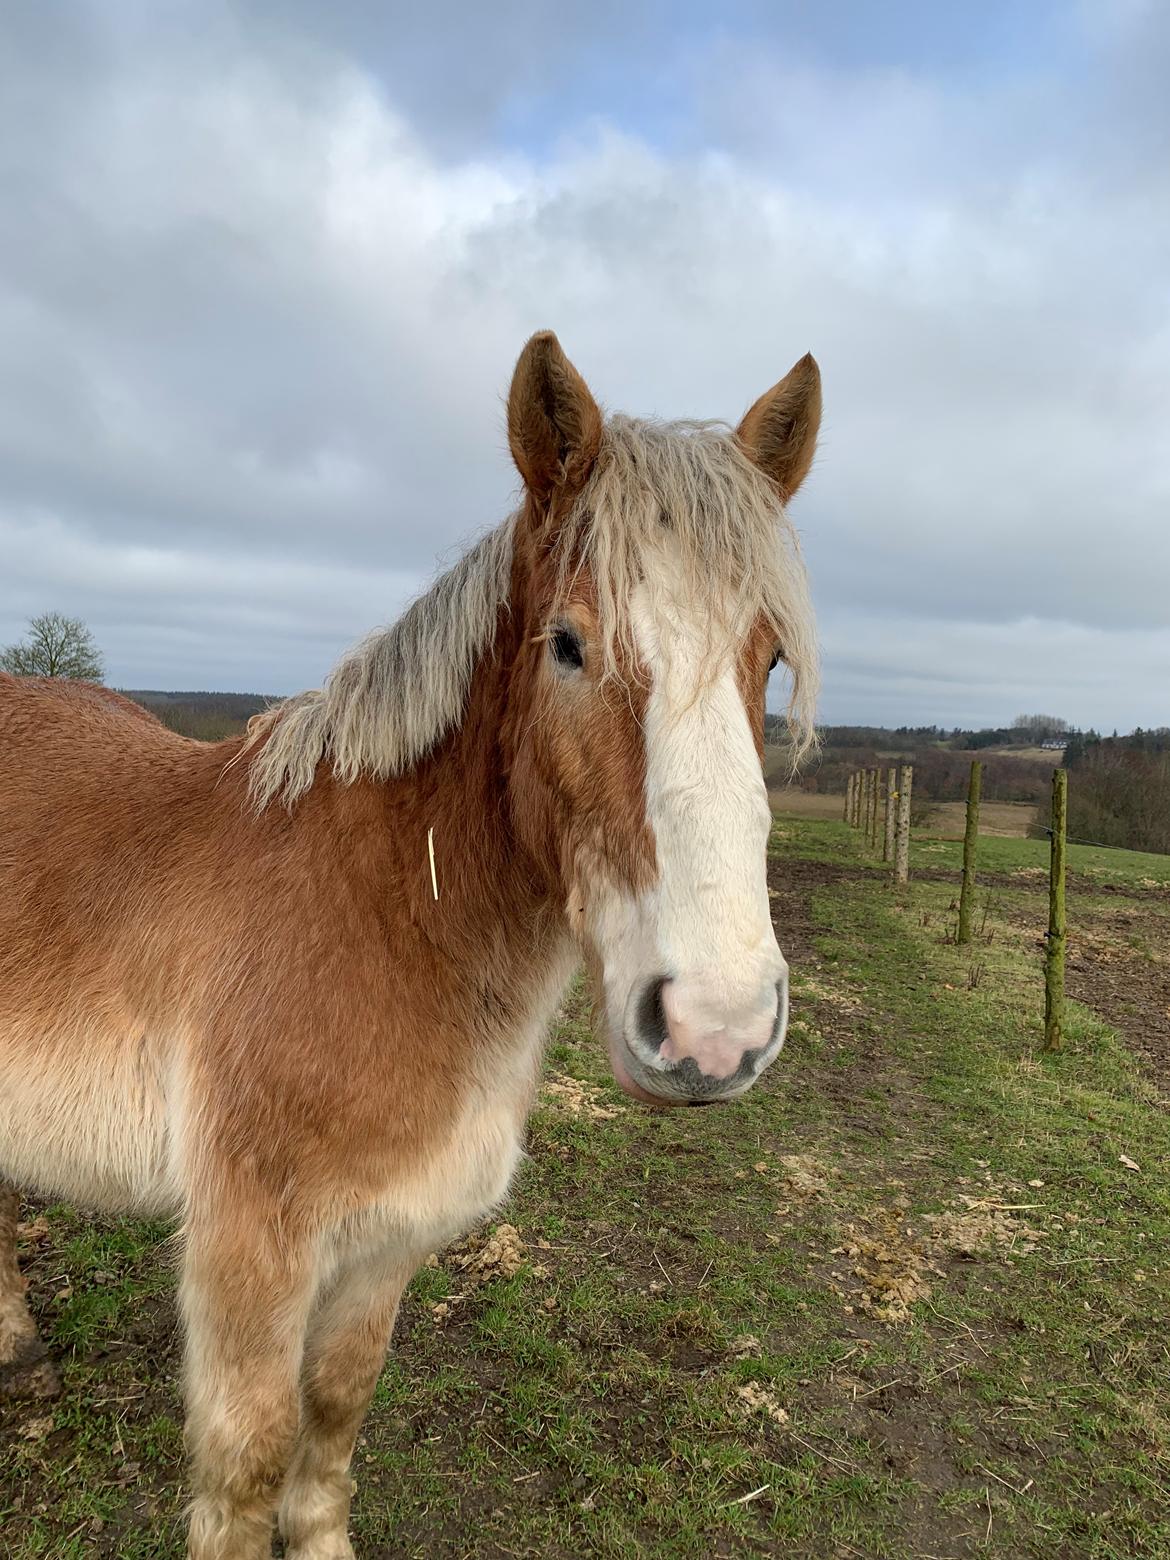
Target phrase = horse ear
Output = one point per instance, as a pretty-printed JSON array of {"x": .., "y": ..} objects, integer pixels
[
  {"x": 780, "y": 431},
  {"x": 554, "y": 424}
]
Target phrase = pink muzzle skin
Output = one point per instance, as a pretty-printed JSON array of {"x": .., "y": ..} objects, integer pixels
[
  {"x": 701, "y": 1029},
  {"x": 688, "y": 1047}
]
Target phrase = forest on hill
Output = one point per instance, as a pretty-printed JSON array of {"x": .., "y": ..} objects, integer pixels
[
  {"x": 1119, "y": 790},
  {"x": 207, "y": 716},
  {"x": 1119, "y": 786}
]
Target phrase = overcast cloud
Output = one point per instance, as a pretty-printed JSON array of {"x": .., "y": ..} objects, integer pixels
[{"x": 265, "y": 268}]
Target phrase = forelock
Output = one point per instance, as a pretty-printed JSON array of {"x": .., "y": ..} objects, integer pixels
[{"x": 678, "y": 507}]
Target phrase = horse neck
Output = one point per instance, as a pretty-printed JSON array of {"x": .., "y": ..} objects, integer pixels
[{"x": 490, "y": 906}]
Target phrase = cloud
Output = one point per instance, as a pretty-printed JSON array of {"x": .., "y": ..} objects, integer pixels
[
  {"x": 919, "y": 666},
  {"x": 259, "y": 309}
]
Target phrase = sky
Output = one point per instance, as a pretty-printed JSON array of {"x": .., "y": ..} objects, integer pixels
[{"x": 265, "y": 269}]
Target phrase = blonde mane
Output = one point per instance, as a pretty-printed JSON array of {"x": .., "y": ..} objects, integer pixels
[{"x": 393, "y": 697}]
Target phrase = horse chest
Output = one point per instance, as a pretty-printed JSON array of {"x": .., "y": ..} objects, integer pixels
[
  {"x": 451, "y": 1186},
  {"x": 473, "y": 1174},
  {"x": 457, "y": 1180}
]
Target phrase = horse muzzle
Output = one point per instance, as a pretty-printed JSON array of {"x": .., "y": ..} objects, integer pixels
[{"x": 682, "y": 1045}]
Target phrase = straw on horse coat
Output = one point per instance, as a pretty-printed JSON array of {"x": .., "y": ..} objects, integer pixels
[{"x": 234, "y": 989}]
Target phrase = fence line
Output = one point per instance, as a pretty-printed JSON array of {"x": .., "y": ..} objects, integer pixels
[{"x": 862, "y": 792}]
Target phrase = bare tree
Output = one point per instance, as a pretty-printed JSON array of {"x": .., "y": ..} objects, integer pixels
[
  {"x": 1038, "y": 727},
  {"x": 55, "y": 646}
]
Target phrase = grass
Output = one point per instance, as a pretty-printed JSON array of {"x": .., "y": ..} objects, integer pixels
[
  {"x": 904, "y": 1299},
  {"x": 1126, "y": 868}
]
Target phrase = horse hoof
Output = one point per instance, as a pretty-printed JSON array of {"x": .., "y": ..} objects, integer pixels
[
  {"x": 30, "y": 1377},
  {"x": 327, "y": 1549}
]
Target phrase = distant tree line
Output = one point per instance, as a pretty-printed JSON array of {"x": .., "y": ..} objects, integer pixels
[
  {"x": 941, "y": 758},
  {"x": 1118, "y": 789},
  {"x": 209, "y": 717},
  {"x": 940, "y": 774},
  {"x": 1040, "y": 728}
]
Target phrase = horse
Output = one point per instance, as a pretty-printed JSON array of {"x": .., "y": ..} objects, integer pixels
[{"x": 291, "y": 989}]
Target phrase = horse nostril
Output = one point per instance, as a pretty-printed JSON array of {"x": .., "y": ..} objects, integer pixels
[
  {"x": 652, "y": 1026},
  {"x": 781, "y": 1023}
]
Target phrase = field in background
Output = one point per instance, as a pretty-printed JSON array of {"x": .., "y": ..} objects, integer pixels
[
  {"x": 946, "y": 819},
  {"x": 1038, "y": 755},
  {"x": 1008, "y": 820},
  {"x": 796, "y": 803},
  {"x": 906, "y": 1299}
]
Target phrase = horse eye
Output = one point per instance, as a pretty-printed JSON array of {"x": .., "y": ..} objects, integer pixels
[
  {"x": 566, "y": 647},
  {"x": 775, "y": 661}
]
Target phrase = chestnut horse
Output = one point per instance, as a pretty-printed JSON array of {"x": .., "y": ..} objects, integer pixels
[{"x": 292, "y": 988}]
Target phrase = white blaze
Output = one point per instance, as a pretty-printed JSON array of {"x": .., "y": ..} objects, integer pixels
[{"x": 705, "y": 924}]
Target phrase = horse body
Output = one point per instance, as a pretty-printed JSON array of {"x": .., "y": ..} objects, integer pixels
[
  {"x": 228, "y": 971},
  {"x": 90, "y": 1032},
  {"x": 293, "y": 988}
]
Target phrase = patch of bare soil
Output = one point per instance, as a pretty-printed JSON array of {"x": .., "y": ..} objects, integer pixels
[
  {"x": 893, "y": 1261},
  {"x": 853, "y": 1068},
  {"x": 1128, "y": 986}
]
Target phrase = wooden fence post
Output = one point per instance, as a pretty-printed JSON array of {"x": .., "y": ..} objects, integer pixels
[
  {"x": 891, "y": 807},
  {"x": 876, "y": 821},
  {"x": 902, "y": 843},
  {"x": 1054, "y": 954},
  {"x": 870, "y": 801},
  {"x": 863, "y": 820},
  {"x": 970, "y": 847},
  {"x": 848, "y": 796}
]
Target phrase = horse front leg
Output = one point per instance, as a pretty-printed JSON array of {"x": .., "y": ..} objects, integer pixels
[
  {"x": 25, "y": 1372},
  {"x": 247, "y": 1293},
  {"x": 347, "y": 1342}
]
